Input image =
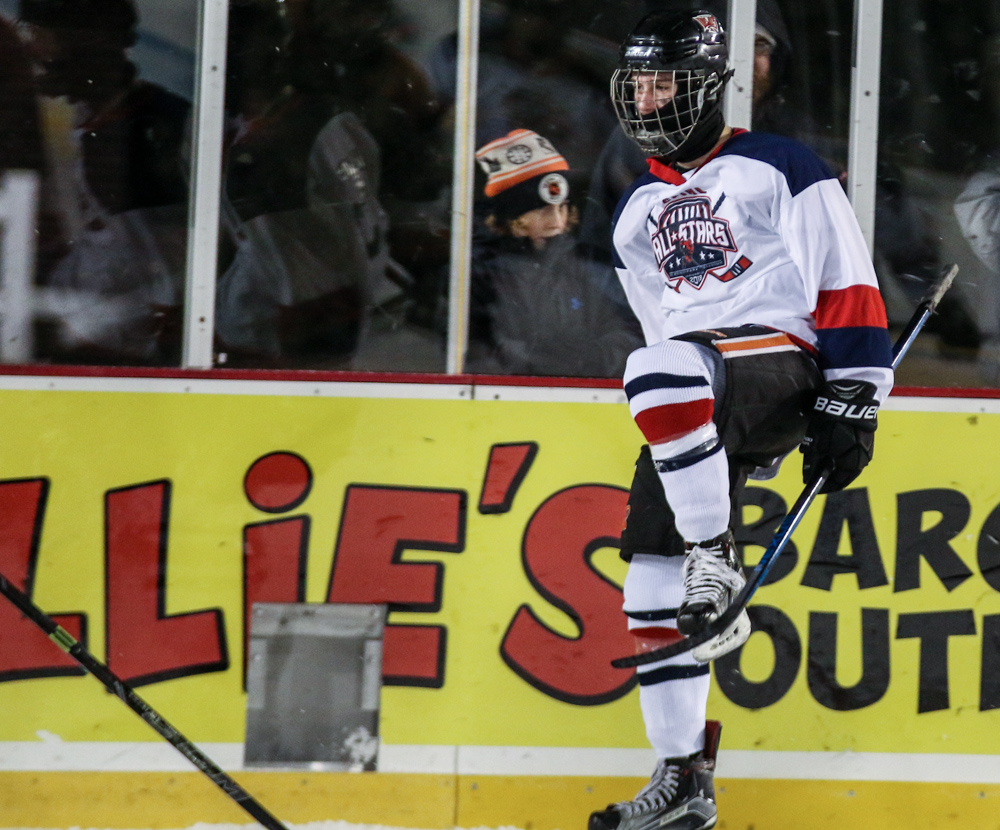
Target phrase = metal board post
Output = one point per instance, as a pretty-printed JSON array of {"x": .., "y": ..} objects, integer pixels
[
  {"x": 862, "y": 155},
  {"x": 739, "y": 93},
  {"x": 463, "y": 183},
  {"x": 206, "y": 185}
]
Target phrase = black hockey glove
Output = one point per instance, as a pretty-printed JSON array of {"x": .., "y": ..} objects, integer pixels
[{"x": 841, "y": 432}]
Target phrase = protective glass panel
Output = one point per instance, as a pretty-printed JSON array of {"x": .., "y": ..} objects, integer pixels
[
  {"x": 314, "y": 681},
  {"x": 94, "y": 125},
  {"x": 334, "y": 238},
  {"x": 938, "y": 192}
]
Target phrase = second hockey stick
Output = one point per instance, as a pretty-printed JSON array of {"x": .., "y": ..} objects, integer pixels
[
  {"x": 924, "y": 310},
  {"x": 68, "y": 643}
]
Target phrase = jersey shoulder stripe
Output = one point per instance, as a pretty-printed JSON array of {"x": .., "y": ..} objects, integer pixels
[
  {"x": 856, "y": 305},
  {"x": 799, "y": 165}
]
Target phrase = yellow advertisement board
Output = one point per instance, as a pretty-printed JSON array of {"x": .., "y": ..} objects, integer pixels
[{"x": 149, "y": 523}]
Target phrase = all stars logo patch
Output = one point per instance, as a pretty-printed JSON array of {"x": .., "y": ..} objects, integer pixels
[{"x": 690, "y": 242}]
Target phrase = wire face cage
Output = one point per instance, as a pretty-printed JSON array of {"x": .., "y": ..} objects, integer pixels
[{"x": 659, "y": 108}]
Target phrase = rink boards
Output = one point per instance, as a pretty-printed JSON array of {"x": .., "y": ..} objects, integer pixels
[{"x": 149, "y": 514}]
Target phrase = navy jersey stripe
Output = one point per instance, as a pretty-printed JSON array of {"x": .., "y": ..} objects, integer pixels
[
  {"x": 662, "y": 380},
  {"x": 800, "y": 166},
  {"x": 846, "y": 348}
]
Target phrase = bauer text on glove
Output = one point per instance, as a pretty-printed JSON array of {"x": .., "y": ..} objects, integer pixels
[{"x": 841, "y": 432}]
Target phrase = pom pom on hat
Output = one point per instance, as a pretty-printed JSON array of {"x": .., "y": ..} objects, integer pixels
[{"x": 524, "y": 172}]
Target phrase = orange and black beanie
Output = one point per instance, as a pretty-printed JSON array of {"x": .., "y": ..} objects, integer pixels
[{"x": 523, "y": 172}]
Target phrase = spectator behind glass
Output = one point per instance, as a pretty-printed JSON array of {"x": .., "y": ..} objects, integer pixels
[
  {"x": 343, "y": 49},
  {"x": 304, "y": 259},
  {"x": 542, "y": 66},
  {"x": 536, "y": 309},
  {"x": 977, "y": 209},
  {"x": 123, "y": 209}
]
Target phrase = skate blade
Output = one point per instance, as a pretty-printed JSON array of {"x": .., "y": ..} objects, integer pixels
[{"x": 732, "y": 638}]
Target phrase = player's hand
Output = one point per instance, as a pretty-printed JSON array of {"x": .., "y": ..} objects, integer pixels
[{"x": 841, "y": 434}]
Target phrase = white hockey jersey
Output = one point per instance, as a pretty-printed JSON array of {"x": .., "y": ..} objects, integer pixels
[{"x": 760, "y": 233}]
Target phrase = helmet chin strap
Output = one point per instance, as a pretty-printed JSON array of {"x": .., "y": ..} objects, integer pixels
[{"x": 702, "y": 139}]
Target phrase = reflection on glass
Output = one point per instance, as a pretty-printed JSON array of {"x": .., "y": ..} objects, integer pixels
[
  {"x": 114, "y": 182},
  {"x": 336, "y": 187},
  {"x": 939, "y": 135}
]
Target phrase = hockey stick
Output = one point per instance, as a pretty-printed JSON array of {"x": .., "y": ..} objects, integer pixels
[
  {"x": 924, "y": 310},
  {"x": 119, "y": 688}
]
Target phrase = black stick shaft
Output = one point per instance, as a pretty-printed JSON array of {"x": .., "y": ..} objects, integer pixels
[
  {"x": 124, "y": 692},
  {"x": 924, "y": 310}
]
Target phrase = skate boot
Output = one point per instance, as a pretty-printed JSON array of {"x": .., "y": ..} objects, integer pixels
[
  {"x": 713, "y": 577},
  {"x": 679, "y": 796}
]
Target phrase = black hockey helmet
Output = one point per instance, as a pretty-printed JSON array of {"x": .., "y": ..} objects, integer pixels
[{"x": 667, "y": 89}]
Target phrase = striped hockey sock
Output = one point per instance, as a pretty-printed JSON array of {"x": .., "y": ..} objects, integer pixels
[{"x": 669, "y": 387}]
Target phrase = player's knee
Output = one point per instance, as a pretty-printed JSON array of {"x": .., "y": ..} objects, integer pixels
[
  {"x": 669, "y": 387},
  {"x": 673, "y": 357}
]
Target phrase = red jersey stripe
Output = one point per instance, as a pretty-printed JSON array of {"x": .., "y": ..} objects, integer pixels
[
  {"x": 858, "y": 305},
  {"x": 672, "y": 420}
]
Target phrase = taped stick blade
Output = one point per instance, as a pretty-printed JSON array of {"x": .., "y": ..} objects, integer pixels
[{"x": 938, "y": 290}]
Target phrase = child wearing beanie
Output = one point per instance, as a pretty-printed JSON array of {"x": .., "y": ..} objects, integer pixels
[
  {"x": 536, "y": 307},
  {"x": 527, "y": 191}
]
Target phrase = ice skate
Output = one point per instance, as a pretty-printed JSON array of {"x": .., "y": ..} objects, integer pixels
[
  {"x": 679, "y": 796},
  {"x": 713, "y": 577}
]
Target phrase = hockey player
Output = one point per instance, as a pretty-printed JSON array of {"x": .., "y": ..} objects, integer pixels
[{"x": 742, "y": 259}]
